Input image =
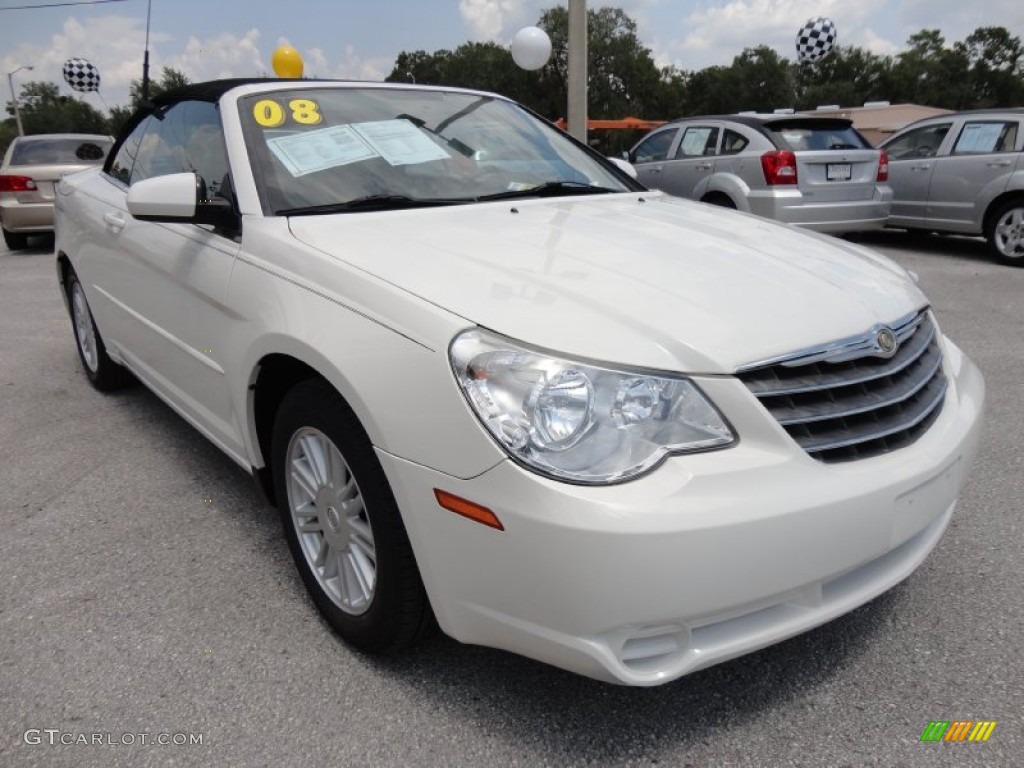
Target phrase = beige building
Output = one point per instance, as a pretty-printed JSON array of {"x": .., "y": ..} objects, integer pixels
[{"x": 878, "y": 119}]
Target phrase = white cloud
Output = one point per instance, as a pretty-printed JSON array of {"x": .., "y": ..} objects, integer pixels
[
  {"x": 114, "y": 44},
  {"x": 877, "y": 44},
  {"x": 716, "y": 34},
  {"x": 217, "y": 56},
  {"x": 491, "y": 19},
  {"x": 956, "y": 18}
]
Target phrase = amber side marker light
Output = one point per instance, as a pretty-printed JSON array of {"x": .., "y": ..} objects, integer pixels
[{"x": 467, "y": 509}]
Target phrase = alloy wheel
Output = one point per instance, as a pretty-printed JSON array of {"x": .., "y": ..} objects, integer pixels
[
  {"x": 330, "y": 518},
  {"x": 84, "y": 329}
]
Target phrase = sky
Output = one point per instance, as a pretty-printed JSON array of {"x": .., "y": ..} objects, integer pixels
[{"x": 360, "y": 39}]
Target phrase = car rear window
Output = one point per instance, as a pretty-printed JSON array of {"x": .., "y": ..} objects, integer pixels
[
  {"x": 799, "y": 135},
  {"x": 60, "y": 151}
]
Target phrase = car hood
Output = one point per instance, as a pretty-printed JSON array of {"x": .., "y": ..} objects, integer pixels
[{"x": 636, "y": 279}]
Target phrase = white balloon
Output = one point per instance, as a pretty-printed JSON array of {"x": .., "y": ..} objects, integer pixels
[{"x": 531, "y": 48}]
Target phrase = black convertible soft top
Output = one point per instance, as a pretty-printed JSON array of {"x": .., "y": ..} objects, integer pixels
[{"x": 211, "y": 90}]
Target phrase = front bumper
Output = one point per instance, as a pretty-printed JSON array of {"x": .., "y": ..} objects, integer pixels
[{"x": 708, "y": 557}]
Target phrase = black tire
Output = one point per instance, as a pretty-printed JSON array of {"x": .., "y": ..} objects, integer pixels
[
  {"x": 1004, "y": 231},
  {"x": 397, "y": 613},
  {"x": 103, "y": 373},
  {"x": 15, "y": 241},
  {"x": 722, "y": 201}
]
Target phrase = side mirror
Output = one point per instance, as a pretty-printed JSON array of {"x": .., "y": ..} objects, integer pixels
[
  {"x": 181, "y": 198},
  {"x": 622, "y": 165}
]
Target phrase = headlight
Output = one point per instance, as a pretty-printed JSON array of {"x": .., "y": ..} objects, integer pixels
[{"x": 578, "y": 422}]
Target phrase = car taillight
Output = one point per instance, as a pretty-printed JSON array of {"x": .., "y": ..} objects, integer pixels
[
  {"x": 779, "y": 167},
  {"x": 17, "y": 184},
  {"x": 883, "y": 166}
]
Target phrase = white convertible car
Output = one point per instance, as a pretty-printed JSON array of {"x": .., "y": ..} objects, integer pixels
[{"x": 488, "y": 378}]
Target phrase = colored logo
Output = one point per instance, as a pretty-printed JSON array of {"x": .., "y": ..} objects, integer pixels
[{"x": 958, "y": 730}]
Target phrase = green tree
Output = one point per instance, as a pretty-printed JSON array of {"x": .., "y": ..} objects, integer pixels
[
  {"x": 928, "y": 72},
  {"x": 849, "y": 76},
  {"x": 486, "y": 66},
  {"x": 170, "y": 79},
  {"x": 996, "y": 60},
  {"x": 45, "y": 110},
  {"x": 757, "y": 80},
  {"x": 623, "y": 79}
]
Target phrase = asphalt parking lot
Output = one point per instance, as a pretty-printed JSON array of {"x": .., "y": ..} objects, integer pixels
[{"x": 148, "y": 590}]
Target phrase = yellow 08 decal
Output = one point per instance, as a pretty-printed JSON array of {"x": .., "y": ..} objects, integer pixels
[
  {"x": 268, "y": 113},
  {"x": 305, "y": 111}
]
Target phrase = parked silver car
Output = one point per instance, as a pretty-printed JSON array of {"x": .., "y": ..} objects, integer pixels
[
  {"x": 31, "y": 167},
  {"x": 962, "y": 173},
  {"x": 815, "y": 172}
]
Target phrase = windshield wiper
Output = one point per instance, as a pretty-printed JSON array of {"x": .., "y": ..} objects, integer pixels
[
  {"x": 373, "y": 203},
  {"x": 551, "y": 189}
]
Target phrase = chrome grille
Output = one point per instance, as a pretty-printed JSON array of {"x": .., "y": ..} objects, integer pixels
[{"x": 847, "y": 400}]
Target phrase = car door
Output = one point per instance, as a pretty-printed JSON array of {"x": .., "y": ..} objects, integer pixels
[
  {"x": 649, "y": 156},
  {"x": 163, "y": 284},
  {"x": 912, "y": 159},
  {"x": 976, "y": 170},
  {"x": 693, "y": 159}
]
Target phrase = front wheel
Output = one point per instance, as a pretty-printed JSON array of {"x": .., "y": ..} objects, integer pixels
[
  {"x": 1005, "y": 233},
  {"x": 343, "y": 525},
  {"x": 103, "y": 373}
]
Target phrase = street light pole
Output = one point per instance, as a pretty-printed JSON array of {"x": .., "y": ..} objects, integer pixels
[
  {"x": 578, "y": 69},
  {"x": 14, "y": 96}
]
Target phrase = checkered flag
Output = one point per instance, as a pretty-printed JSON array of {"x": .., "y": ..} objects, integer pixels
[
  {"x": 81, "y": 75},
  {"x": 816, "y": 39}
]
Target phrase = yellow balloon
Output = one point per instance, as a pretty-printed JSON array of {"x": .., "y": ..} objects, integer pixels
[{"x": 286, "y": 62}]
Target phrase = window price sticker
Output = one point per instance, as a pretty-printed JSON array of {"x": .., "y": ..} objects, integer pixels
[
  {"x": 400, "y": 142},
  {"x": 321, "y": 149}
]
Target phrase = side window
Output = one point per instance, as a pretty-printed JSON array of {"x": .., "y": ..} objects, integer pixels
[
  {"x": 733, "y": 143},
  {"x": 123, "y": 162},
  {"x": 698, "y": 141},
  {"x": 979, "y": 137},
  {"x": 188, "y": 138},
  {"x": 655, "y": 147},
  {"x": 921, "y": 142}
]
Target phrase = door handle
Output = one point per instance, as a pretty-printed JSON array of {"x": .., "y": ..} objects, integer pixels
[
  {"x": 115, "y": 220},
  {"x": 999, "y": 164},
  {"x": 704, "y": 167},
  {"x": 659, "y": 169},
  {"x": 924, "y": 167}
]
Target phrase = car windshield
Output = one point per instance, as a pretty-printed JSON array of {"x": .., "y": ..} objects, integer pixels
[
  {"x": 60, "y": 151},
  {"x": 323, "y": 150},
  {"x": 814, "y": 135}
]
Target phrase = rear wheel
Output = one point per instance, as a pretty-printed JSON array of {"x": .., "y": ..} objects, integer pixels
[
  {"x": 343, "y": 525},
  {"x": 15, "y": 240},
  {"x": 103, "y": 373},
  {"x": 722, "y": 201},
  {"x": 1005, "y": 233}
]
